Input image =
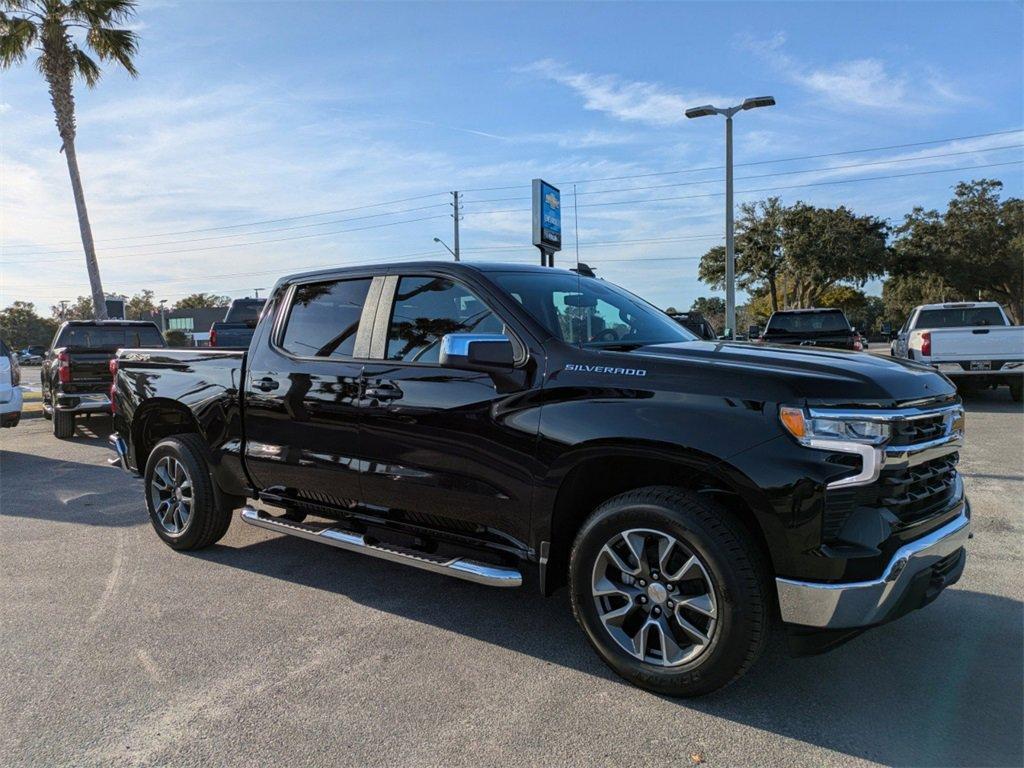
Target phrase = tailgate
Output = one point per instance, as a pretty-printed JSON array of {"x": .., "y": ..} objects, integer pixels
[
  {"x": 1003, "y": 343},
  {"x": 90, "y": 371}
]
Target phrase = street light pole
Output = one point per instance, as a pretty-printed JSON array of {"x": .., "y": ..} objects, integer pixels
[
  {"x": 442, "y": 242},
  {"x": 730, "y": 244}
]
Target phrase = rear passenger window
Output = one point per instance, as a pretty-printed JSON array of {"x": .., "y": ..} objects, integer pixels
[
  {"x": 425, "y": 309},
  {"x": 324, "y": 318}
]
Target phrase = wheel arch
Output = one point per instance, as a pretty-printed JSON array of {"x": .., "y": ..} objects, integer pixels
[
  {"x": 156, "y": 419},
  {"x": 597, "y": 473}
]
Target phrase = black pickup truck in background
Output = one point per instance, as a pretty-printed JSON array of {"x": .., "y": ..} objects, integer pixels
[
  {"x": 812, "y": 328},
  {"x": 235, "y": 330},
  {"x": 75, "y": 373},
  {"x": 488, "y": 421}
]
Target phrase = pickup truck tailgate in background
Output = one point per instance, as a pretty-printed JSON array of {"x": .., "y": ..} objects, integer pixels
[{"x": 995, "y": 343}]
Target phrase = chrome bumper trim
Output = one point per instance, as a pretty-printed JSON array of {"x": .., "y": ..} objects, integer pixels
[
  {"x": 335, "y": 536},
  {"x": 119, "y": 446},
  {"x": 88, "y": 402},
  {"x": 863, "y": 603}
]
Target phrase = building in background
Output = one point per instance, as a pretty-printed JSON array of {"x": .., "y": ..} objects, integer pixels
[{"x": 194, "y": 323}]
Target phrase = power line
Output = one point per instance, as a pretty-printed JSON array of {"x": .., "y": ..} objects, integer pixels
[
  {"x": 825, "y": 169},
  {"x": 762, "y": 162},
  {"x": 772, "y": 189},
  {"x": 255, "y": 223},
  {"x": 483, "y": 249},
  {"x": 245, "y": 234}
]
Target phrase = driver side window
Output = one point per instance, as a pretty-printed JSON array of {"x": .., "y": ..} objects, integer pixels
[{"x": 427, "y": 308}]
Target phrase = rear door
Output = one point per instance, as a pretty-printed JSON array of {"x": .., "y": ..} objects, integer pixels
[
  {"x": 302, "y": 389},
  {"x": 443, "y": 443}
]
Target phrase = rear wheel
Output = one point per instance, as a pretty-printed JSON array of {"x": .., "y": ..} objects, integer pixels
[
  {"x": 183, "y": 507},
  {"x": 63, "y": 424},
  {"x": 670, "y": 591}
]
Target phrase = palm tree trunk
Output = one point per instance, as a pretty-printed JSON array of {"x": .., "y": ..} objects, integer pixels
[
  {"x": 57, "y": 67},
  {"x": 99, "y": 304}
]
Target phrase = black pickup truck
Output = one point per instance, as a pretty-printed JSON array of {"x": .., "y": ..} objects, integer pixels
[
  {"x": 75, "y": 373},
  {"x": 236, "y": 329},
  {"x": 489, "y": 421},
  {"x": 815, "y": 327}
]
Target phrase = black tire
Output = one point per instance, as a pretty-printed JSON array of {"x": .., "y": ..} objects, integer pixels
[
  {"x": 730, "y": 560},
  {"x": 208, "y": 520},
  {"x": 63, "y": 424},
  {"x": 1015, "y": 391}
]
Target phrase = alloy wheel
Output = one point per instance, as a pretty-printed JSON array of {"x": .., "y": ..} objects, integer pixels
[
  {"x": 655, "y": 597},
  {"x": 170, "y": 490}
]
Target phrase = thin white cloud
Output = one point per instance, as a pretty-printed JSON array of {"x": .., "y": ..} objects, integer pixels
[
  {"x": 867, "y": 83},
  {"x": 629, "y": 100}
]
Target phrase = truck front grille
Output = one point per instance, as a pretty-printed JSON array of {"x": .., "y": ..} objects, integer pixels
[
  {"x": 920, "y": 430},
  {"x": 909, "y": 495}
]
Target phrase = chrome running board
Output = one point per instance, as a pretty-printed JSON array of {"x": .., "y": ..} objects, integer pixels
[{"x": 459, "y": 567}]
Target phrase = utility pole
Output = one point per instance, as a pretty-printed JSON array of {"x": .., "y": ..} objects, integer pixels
[
  {"x": 256, "y": 292},
  {"x": 63, "y": 310},
  {"x": 163, "y": 315},
  {"x": 455, "y": 215}
]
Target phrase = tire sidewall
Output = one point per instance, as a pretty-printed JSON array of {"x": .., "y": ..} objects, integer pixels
[
  {"x": 202, "y": 497},
  {"x": 731, "y": 641}
]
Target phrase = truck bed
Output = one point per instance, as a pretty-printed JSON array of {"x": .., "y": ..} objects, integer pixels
[{"x": 991, "y": 343}]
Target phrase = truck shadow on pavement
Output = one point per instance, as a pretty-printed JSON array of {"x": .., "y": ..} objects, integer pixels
[
  {"x": 44, "y": 488},
  {"x": 943, "y": 686}
]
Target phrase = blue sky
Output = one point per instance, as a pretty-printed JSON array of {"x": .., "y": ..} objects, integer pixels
[{"x": 249, "y": 112}]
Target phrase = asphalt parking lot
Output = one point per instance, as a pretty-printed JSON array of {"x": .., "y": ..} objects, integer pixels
[{"x": 115, "y": 650}]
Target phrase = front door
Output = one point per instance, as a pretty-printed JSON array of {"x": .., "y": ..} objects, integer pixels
[
  {"x": 441, "y": 442},
  {"x": 302, "y": 391}
]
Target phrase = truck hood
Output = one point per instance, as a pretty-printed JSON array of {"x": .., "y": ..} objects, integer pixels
[{"x": 815, "y": 374}]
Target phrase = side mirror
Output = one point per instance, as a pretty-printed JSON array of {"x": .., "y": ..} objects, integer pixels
[{"x": 485, "y": 352}]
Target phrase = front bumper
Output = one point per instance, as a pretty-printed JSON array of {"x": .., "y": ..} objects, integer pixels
[{"x": 917, "y": 572}]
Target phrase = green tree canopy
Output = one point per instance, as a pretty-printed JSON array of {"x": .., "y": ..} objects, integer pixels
[
  {"x": 793, "y": 255},
  {"x": 79, "y": 309},
  {"x": 140, "y": 305},
  {"x": 972, "y": 250},
  {"x": 202, "y": 301},
  {"x": 21, "y": 327}
]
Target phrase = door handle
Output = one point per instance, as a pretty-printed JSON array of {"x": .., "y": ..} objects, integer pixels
[
  {"x": 383, "y": 392},
  {"x": 266, "y": 384}
]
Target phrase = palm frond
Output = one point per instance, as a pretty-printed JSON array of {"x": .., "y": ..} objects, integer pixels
[
  {"x": 118, "y": 45},
  {"x": 101, "y": 12},
  {"x": 16, "y": 38},
  {"x": 86, "y": 67}
]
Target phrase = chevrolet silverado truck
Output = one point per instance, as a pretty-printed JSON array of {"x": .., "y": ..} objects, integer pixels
[
  {"x": 75, "y": 374},
  {"x": 236, "y": 329},
  {"x": 491, "y": 422},
  {"x": 815, "y": 327},
  {"x": 972, "y": 343}
]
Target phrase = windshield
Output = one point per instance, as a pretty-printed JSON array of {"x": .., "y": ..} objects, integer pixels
[
  {"x": 109, "y": 337},
  {"x": 808, "y": 322},
  {"x": 960, "y": 317},
  {"x": 590, "y": 312},
  {"x": 245, "y": 311}
]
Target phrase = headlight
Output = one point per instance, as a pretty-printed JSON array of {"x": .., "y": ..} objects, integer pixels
[{"x": 850, "y": 430}]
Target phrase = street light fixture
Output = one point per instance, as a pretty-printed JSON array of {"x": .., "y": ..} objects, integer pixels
[
  {"x": 442, "y": 242},
  {"x": 730, "y": 251}
]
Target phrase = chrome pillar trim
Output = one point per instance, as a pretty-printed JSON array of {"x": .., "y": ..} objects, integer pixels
[
  {"x": 862, "y": 603},
  {"x": 871, "y": 456},
  {"x": 458, "y": 567}
]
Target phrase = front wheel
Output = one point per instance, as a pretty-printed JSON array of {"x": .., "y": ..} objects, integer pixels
[
  {"x": 1015, "y": 391},
  {"x": 183, "y": 506},
  {"x": 670, "y": 591}
]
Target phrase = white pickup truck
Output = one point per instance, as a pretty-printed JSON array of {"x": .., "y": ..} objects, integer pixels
[{"x": 972, "y": 343}]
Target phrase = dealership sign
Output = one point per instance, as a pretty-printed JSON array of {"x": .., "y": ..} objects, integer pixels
[{"x": 547, "y": 217}]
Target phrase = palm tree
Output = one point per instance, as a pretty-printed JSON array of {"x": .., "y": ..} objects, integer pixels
[{"x": 62, "y": 30}]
